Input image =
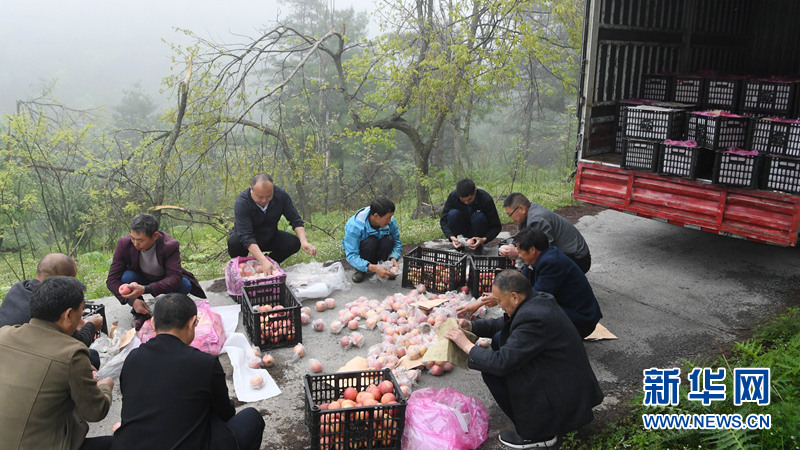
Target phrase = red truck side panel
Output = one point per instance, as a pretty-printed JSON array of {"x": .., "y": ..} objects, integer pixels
[{"x": 756, "y": 215}]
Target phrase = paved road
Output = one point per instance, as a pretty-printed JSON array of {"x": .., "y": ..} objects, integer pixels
[{"x": 668, "y": 293}]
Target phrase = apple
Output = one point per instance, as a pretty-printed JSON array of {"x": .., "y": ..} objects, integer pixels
[
  {"x": 316, "y": 366},
  {"x": 388, "y": 398},
  {"x": 124, "y": 289},
  {"x": 350, "y": 393},
  {"x": 386, "y": 386},
  {"x": 330, "y": 303},
  {"x": 268, "y": 360},
  {"x": 436, "y": 370},
  {"x": 257, "y": 382}
]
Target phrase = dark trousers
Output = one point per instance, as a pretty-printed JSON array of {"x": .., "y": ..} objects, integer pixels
[
  {"x": 129, "y": 276},
  {"x": 474, "y": 225},
  {"x": 584, "y": 263},
  {"x": 281, "y": 246},
  {"x": 373, "y": 249},
  {"x": 97, "y": 443},
  {"x": 248, "y": 426},
  {"x": 497, "y": 385}
]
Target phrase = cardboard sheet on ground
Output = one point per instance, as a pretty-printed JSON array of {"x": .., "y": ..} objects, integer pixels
[
  {"x": 600, "y": 332},
  {"x": 357, "y": 363},
  {"x": 427, "y": 305},
  {"x": 408, "y": 364},
  {"x": 446, "y": 350}
]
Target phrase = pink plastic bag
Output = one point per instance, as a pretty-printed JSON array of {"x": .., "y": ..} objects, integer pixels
[
  {"x": 432, "y": 420},
  {"x": 234, "y": 280},
  {"x": 209, "y": 334}
]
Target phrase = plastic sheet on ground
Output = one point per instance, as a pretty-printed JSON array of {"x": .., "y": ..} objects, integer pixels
[{"x": 312, "y": 280}]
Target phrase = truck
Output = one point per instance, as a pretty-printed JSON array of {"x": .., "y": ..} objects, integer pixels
[{"x": 627, "y": 41}]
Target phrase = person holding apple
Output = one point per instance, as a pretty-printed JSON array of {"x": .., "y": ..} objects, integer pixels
[
  {"x": 537, "y": 369},
  {"x": 550, "y": 270},
  {"x": 370, "y": 236},
  {"x": 469, "y": 212},
  {"x": 15, "y": 308},
  {"x": 148, "y": 261},
  {"x": 256, "y": 213}
]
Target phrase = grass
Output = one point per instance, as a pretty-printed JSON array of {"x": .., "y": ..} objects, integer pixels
[
  {"x": 776, "y": 345},
  {"x": 204, "y": 251}
]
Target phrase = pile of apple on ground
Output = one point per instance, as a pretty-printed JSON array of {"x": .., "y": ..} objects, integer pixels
[{"x": 407, "y": 331}]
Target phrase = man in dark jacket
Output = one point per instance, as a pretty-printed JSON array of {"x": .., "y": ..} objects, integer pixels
[
  {"x": 175, "y": 396},
  {"x": 256, "y": 212},
  {"x": 15, "y": 309},
  {"x": 148, "y": 261},
  {"x": 538, "y": 372},
  {"x": 549, "y": 270},
  {"x": 470, "y": 212}
]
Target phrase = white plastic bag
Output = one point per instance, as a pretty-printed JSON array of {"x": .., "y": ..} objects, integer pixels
[
  {"x": 113, "y": 366},
  {"x": 312, "y": 280}
]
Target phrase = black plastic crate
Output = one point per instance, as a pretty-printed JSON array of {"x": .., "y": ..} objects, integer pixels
[
  {"x": 267, "y": 326},
  {"x": 653, "y": 123},
  {"x": 641, "y": 155},
  {"x": 722, "y": 93},
  {"x": 439, "y": 270},
  {"x": 482, "y": 270},
  {"x": 776, "y": 136},
  {"x": 96, "y": 308},
  {"x": 782, "y": 174},
  {"x": 772, "y": 97},
  {"x": 619, "y": 124},
  {"x": 686, "y": 162},
  {"x": 687, "y": 89},
  {"x": 736, "y": 169},
  {"x": 361, "y": 427},
  {"x": 716, "y": 131},
  {"x": 657, "y": 87}
]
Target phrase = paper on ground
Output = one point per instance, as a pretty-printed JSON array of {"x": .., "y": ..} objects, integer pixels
[
  {"x": 446, "y": 350},
  {"x": 600, "y": 332},
  {"x": 238, "y": 349}
]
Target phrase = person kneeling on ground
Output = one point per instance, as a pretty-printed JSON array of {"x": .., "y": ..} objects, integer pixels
[
  {"x": 470, "y": 212},
  {"x": 537, "y": 370},
  {"x": 559, "y": 231},
  {"x": 152, "y": 259},
  {"x": 15, "y": 308},
  {"x": 48, "y": 389},
  {"x": 186, "y": 405},
  {"x": 549, "y": 270},
  {"x": 371, "y": 236}
]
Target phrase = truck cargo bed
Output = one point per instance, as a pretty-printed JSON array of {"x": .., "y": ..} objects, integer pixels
[{"x": 755, "y": 215}]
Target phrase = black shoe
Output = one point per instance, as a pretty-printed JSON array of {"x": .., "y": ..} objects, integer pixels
[
  {"x": 139, "y": 320},
  {"x": 511, "y": 439},
  {"x": 359, "y": 276}
]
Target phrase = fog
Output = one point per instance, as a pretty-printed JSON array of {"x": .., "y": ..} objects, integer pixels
[{"x": 90, "y": 51}]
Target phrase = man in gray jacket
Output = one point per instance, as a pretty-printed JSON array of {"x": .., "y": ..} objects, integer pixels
[
  {"x": 537, "y": 369},
  {"x": 559, "y": 231}
]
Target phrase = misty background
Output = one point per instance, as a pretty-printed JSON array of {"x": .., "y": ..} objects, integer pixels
[{"x": 90, "y": 51}]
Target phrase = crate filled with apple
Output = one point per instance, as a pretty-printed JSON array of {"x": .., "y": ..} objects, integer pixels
[
  {"x": 437, "y": 270},
  {"x": 271, "y": 315},
  {"x": 354, "y": 410}
]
